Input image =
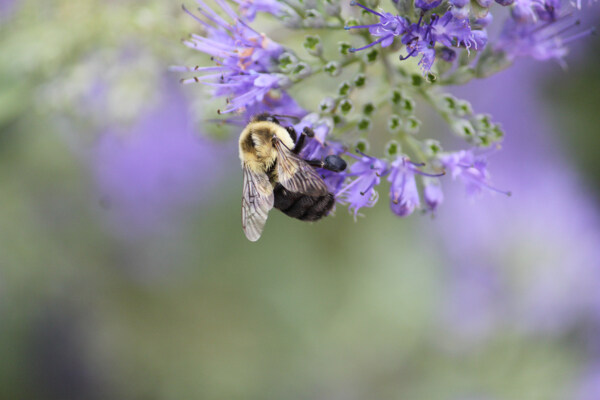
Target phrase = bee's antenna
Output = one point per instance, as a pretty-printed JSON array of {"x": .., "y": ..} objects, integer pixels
[
  {"x": 226, "y": 121},
  {"x": 292, "y": 117}
]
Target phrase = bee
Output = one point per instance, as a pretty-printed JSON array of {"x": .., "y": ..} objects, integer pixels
[{"x": 276, "y": 176}]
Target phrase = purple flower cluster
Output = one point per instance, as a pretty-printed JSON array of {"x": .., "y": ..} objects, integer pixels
[
  {"x": 421, "y": 38},
  {"x": 246, "y": 70},
  {"x": 367, "y": 172},
  {"x": 536, "y": 29}
]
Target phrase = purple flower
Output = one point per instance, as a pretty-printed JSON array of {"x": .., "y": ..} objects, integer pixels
[
  {"x": 388, "y": 27},
  {"x": 249, "y": 8},
  {"x": 447, "y": 30},
  {"x": 529, "y": 11},
  {"x": 404, "y": 196},
  {"x": 246, "y": 60},
  {"x": 459, "y": 3},
  {"x": 432, "y": 193},
  {"x": 417, "y": 47},
  {"x": 470, "y": 169},
  {"x": 361, "y": 192},
  {"x": 427, "y": 4},
  {"x": 542, "y": 42},
  {"x": 547, "y": 10}
]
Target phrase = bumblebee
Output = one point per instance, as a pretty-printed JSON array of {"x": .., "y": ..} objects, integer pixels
[{"x": 276, "y": 176}]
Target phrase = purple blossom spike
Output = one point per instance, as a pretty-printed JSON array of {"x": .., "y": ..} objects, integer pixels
[
  {"x": 471, "y": 169},
  {"x": 361, "y": 192},
  {"x": 245, "y": 59}
]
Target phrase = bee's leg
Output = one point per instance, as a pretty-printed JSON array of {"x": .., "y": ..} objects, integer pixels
[
  {"x": 305, "y": 132},
  {"x": 331, "y": 163}
]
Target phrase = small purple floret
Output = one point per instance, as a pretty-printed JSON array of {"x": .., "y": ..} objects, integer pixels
[
  {"x": 404, "y": 196},
  {"x": 360, "y": 192}
]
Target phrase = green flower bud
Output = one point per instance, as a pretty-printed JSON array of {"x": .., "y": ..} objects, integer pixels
[
  {"x": 344, "y": 48},
  {"x": 364, "y": 124},
  {"x": 359, "y": 80},
  {"x": 287, "y": 61},
  {"x": 497, "y": 132},
  {"x": 431, "y": 147},
  {"x": 396, "y": 97},
  {"x": 463, "y": 128},
  {"x": 345, "y": 106},
  {"x": 327, "y": 105},
  {"x": 333, "y": 68},
  {"x": 417, "y": 80},
  {"x": 344, "y": 89},
  {"x": 301, "y": 70},
  {"x": 312, "y": 44},
  {"x": 371, "y": 56},
  {"x": 368, "y": 108},
  {"x": 314, "y": 19},
  {"x": 412, "y": 125},
  {"x": 352, "y": 22},
  {"x": 448, "y": 103},
  {"x": 407, "y": 105},
  {"x": 362, "y": 145},
  {"x": 392, "y": 148},
  {"x": 463, "y": 108},
  {"x": 394, "y": 123}
]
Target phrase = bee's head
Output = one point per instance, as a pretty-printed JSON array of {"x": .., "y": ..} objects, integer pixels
[{"x": 265, "y": 117}]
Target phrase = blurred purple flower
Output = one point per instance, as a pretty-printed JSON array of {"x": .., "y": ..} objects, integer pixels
[
  {"x": 157, "y": 166},
  {"x": 537, "y": 31},
  {"x": 589, "y": 388},
  {"x": 520, "y": 263},
  {"x": 432, "y": 193},
  {"x": 249, "y": 8},
  {"x": 7, "y": 8},
  {"x": 470, "y": 168}
]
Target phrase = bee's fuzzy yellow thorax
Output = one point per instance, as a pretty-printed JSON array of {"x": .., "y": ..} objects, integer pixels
[{"x": 256, "y": 143}]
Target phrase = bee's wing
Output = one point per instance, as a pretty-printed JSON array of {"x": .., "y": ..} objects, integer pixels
[
  {"x": 296, "y": 175},
  {"x": 257, "y": 200}
]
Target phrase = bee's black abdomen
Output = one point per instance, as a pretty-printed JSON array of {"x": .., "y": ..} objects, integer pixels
[{"x": 302, "y": 206}]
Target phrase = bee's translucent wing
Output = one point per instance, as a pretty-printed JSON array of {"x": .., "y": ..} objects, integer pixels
[
  {"x": 257, "y": 200},
  {"x": 296, "y": 175}
]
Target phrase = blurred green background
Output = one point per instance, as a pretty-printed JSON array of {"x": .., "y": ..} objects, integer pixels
[{"x": 124, "y": 272}]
